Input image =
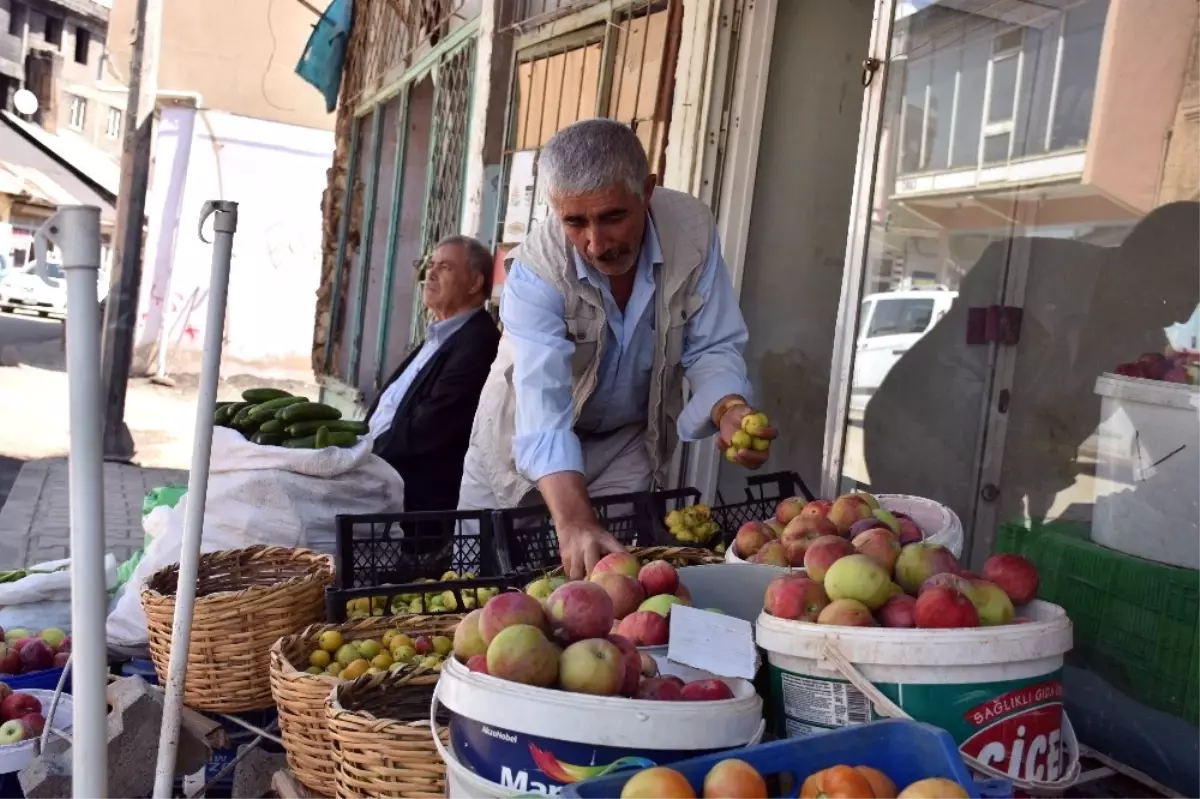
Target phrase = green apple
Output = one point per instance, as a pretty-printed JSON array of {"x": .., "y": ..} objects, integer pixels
[{"x": 661, "y": 604}]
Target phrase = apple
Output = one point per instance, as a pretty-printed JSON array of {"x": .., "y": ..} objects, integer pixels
[
  {"x": 908, "y": 530},
  {"x": 468, "y": 642},
  {"x": 880, "y": 545},
  {"x": 507, "y": 609},
  {"x": 632, "y": 659},
  {"x": 10, "y": 662},
  {"x": 846, "y": 510},
  {"x": 818, "y": 507},
  {"x": 795, "y": 597},
  {"x": 734, "y": 778},
  {"x": 946, "y": 580},
  {"x": 860, "y": 578},
  {"x": 5, "y": 691},
  {"x": 884, "y": 515},
  {"x": 18, "y": 704},
  {"x": 645, "y": 628},
  {"x": 750, "y": 538},
  {"x": 649, "y": 666},
  {"x": 870, "y": 499},
  {"x": 65, "y": 646},
  {"x": 808, "y": 525},
  {"x": 658, "y": 577},
  {"x": 933, "y": 788},
  {"x": 422, "y": 645},
  {"x": 898, "y": 611},
  {"x": 579, "y": 610},
  {"x": 823, "y": 553},
  {"x": 991, "y": 603},
  {"x": 36, "y": 656},
  {"x": 683, "y": 594},
  {"x": 592, "y": 666},
  {"x": 661, "y": 604},
  {"x": 796, "y": 548},
  {"x": 920, "y": 561},
  {"x": 542, "y": 588},
  {"x": 772, "y": 554},
  {"x": 706, "y": 691},
  {"x": 522, "y": 653},
  {"x": 774, "y": 526},
  {"x": 11, "y": 732},
  {"x": 625, "y": 592},
  {"x": 659, "y": 689},
  {"x": 477, "y": 664},
  {"x": 18, "y": 644},
  {"x": 788, "y": 509},
  {"x": 16, "y": 633},
  {"x": 658, "y": 782},
  {"x": 944, "y": 607},
  {"x": 1017, "y": 576},
  {"x": 620, "y": 562},
  {"x": 33, "y": 723},
  {"x": 846, "y": 613},
  {"x": 862, "y": 525},
  {"x": 60, "y": 659},
  {"x": 53, "y": 636}
]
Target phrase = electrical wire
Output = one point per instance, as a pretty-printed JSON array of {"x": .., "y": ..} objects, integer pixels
[{"x": 262, "y": 83}]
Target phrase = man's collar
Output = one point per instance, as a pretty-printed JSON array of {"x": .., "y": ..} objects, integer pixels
[{"x": 651, "y": 251}]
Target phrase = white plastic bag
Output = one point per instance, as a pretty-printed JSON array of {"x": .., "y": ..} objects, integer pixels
[
  {"x": 42, "y": 598},
  {"x": 264, "y": 495}
]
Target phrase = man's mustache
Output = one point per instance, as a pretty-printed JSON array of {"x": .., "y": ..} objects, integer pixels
[{"x": 613, "y": 254}]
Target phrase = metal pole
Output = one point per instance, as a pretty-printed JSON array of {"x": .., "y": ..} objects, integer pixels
[
  {"x": 75, "y": 230},
  {"x": 224, "y": 215}
]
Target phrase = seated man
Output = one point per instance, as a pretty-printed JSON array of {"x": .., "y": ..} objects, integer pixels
[{"x": 421, "y": 421}]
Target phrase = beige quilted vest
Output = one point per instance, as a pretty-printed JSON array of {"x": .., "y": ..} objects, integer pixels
[{"x": 685, "y": 229}]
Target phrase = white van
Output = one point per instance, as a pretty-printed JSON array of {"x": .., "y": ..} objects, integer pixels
[{"x": 890, "y": 323}]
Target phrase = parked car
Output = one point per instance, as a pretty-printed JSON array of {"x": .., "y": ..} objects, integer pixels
[
  {"x": 889, "y": 324},
  {"x": 24, "y": 288}
]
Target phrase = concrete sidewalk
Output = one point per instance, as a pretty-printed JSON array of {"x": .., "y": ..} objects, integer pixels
[{"x": 35, "y": 521}]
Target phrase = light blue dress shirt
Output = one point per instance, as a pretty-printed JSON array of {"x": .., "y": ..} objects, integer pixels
[
  {"x": 533, "y": 315},
  {"x": 393, "y": 396}
]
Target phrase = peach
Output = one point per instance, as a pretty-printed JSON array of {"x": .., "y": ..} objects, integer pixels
[
  {"x": 772, "y": 554},
  {"x": 645, "y": 628},
  {"x": 467, "y": 640},
  {"x": 750, "y": 538},
  {"x": 625, "y": 592},
  {"x": 1017, "y": 576},
  {"x": 847, "y": 509},
  {"x": 522, "y": 653},
  {"x": 706, "y": 691},
  {"x": 918, "y": 562},
  {"x": 734, "y": 779},
  {"x": 823, "y": 553},
  {"x": 659, "y": 782},
  {"x": 593, "y": 666},
  {"x": 659, "y": 689},
  {"x": 632, "y": 659},
  {"x": 880, "y": 545},
  {"x": 788, "y": 509},
  {"x": 795, "y": 597},
  {"x": 944, "y": 607},
  {"x": 620, "y": 562},
  {"x": 658, "y": 577},
  {"x": 507, "y": 609},
  {"x": 579, "y": 610},
  {"x": 846, "y": 613}
]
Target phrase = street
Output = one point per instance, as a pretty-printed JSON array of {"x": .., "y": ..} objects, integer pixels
[{"x": 22, "y": 328}]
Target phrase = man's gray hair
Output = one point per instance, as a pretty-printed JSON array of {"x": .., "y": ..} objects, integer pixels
[
  {"x": 479, "y": 258},
  {"x": 592, "y": 155}
]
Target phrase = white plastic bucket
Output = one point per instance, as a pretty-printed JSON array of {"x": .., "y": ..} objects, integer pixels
[
  {"x": 15, "y": 757},
  {"x": 940, "y": 524},
  {"x": 996, "y": 690},
  {"x": 523, "y": 738},
  {"x": 1147, "y": 470}
]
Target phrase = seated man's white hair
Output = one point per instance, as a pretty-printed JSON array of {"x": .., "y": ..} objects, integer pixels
[{"x": 590, "y": 156}]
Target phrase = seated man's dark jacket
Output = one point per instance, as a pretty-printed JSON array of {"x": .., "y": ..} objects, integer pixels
[{"x": 428, "y": 439}]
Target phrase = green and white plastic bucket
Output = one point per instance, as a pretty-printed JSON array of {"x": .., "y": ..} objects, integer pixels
[{"x": 997, "y": 690}]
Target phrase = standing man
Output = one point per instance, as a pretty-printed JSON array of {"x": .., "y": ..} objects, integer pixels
[
  {"x": 608, "y": 306},
  {"x": 421, "y": 421}
]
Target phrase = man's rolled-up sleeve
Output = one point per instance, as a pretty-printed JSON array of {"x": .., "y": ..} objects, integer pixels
[
  {"x": 533, "y": 316},
  {"x": 712, "y": 349}
]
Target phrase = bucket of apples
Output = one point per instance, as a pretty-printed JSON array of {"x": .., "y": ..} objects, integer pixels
[
  {"x": 33, "y": 660},
  {"x": 22, "y": 719}
]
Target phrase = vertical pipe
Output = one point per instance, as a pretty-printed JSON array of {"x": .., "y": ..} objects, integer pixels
[
  {"x": 224, "y": 215},
  {"x": 75, "y": 229}
]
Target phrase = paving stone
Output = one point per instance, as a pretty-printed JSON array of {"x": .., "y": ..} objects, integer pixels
[{"x": 253, "y": 773}]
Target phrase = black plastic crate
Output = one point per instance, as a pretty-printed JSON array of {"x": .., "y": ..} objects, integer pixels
[
  {"x": 763, "y": 493},
  {"x": 384, "y": 597},
  {"x": 528, "y": 538},
  {"x": 396, "y": 548}
]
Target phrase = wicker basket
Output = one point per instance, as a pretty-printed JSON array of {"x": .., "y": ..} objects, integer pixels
[
  {"x": 382, "y": 744},
  {"x": 245, "y": 600},
  {"x": 301, "y": 697}
]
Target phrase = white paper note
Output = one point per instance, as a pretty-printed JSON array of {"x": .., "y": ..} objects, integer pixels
[{"x": 713, "y": 642}]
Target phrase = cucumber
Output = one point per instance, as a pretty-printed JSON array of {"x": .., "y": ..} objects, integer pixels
[
  {"x": 257, "y": 395},
  {"x": 322, "y": 438},
  {"x": 308, "y": 411},
  {"x": 300, "y": 429},
  {"x": 339, "y": 439},
  {"x": 223, "y": 416},
  {"x": 271, "y": 426},
  {"x": 221, "y": 405},
  {"x": 306, "y": 442},
  {"x": 268, "y": 409},
  {"x": 342, "y": 439},
  {"x": 243, "y": 421},
  {"x": 270, "y": 439}
]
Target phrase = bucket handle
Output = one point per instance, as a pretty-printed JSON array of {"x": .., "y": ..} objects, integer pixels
[{"x": 886, "y": 707}]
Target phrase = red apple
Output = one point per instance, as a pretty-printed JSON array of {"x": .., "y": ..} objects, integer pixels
[
  {"x": 946, "y": 580},
  {"x": 944, "y": 607},
  {"x": 620, "y": 562},
  {"x": 796, "y": 548},
  {"x": 684, "y": 594},
  {"x": 846, "y": 613},
  {"x": 862, "y": 525},
  {"x": 592, "y": 666},
  {"x": 818, "y": 507},
  {"x": 478, "y": 664},
  {"x": 18, "y": 644},
  {"x": 1014, "y": 574},
  {"x": 625, "y": 592},
  {"x": 423, "y": 645},
  {"x": 661, "y": 689},
  {"x": 706, "y": 691},
  {"x": 789, "y": 509},
  {"x": 823, "y": 553},
  {"x": 60, "y": 659},
  {"x": 649, "y": 666},
  {"x": 1128, "y": 370},
  {"x": 898, "y": 612},
  {"x": 36, "y": 656},
  {"x": 774, "y": 526},
  {"x": 5, "y": 691},
  {"x": 33, "y": 724},
  {"x": 750, "y": 538},
  {"x": 880, "y": 545},
  {"x": 10, "y": 662},
  {"x": 918, "y": 562},
  {"x": 65, "y": 646},
  {"x": 808, "y": 525},
  {"x": 658, "y": 577},
  {"x": 508, "y": 609},
  {"x": 772, "y": 554},
  {"x": 579, "y": 610},
  {"x": 633, "y": 664},
  {"x": 19, "y": 704},
  {"x": 645, "y": 628},
  {"x": 795, "y": 597},
  {"x": 847, "y": 509}
]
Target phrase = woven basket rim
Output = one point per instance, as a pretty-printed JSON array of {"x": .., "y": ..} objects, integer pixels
[
  {"x": 316, "y": 561},
  {"x": 334, "y": 702},
  {"x": 288, "y": 669}
]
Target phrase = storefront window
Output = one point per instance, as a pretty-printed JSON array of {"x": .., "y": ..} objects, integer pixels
[{"x": 1024, "y": 167}]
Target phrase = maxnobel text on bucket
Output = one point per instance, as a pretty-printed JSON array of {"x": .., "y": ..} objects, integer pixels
[
  {"x": 535, "y": 739},
  {"x": 940, "y": 524},
  {"x": 997, "y": 690}
]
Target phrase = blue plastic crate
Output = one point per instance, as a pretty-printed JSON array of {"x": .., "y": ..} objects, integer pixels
[
  {"x": 46, "y": 679},
  {"x": 906, "y": 751}
]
